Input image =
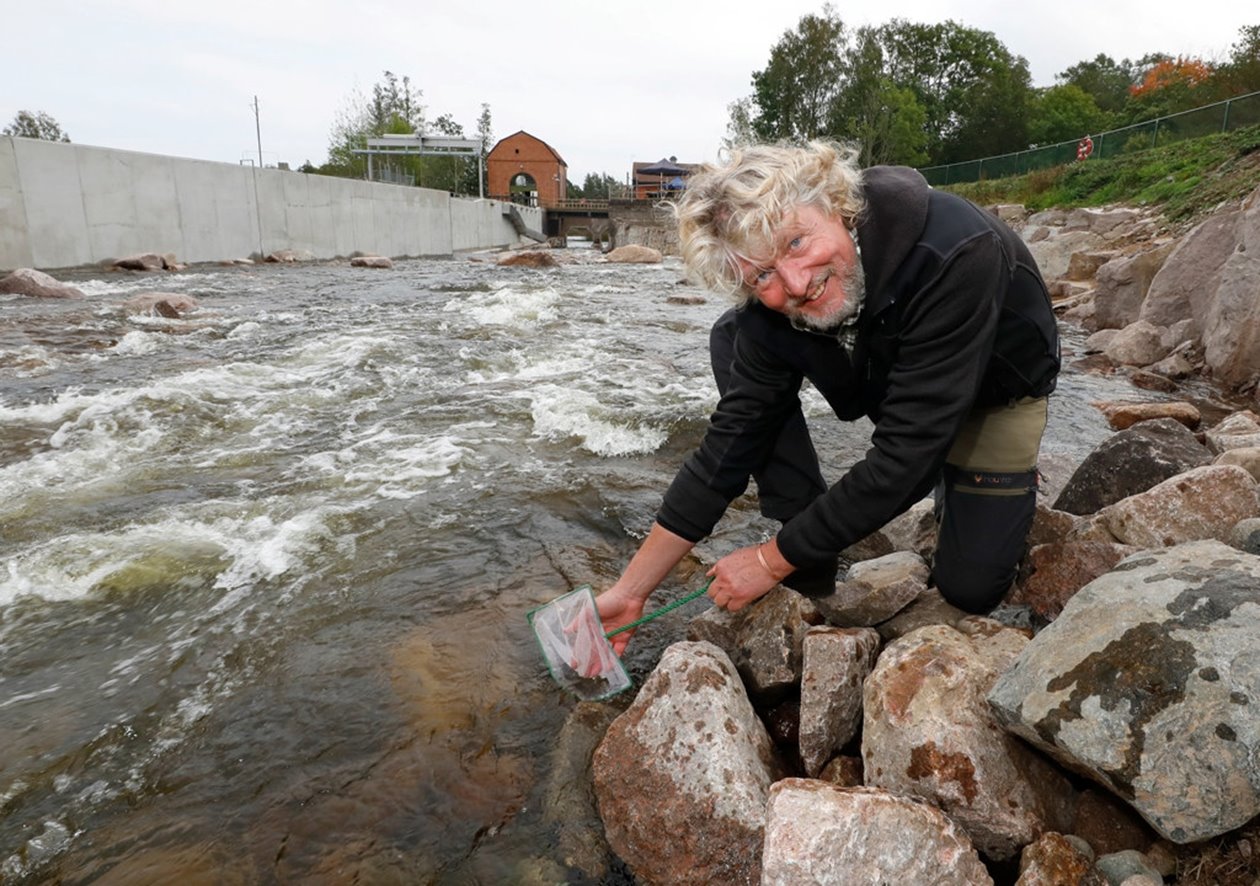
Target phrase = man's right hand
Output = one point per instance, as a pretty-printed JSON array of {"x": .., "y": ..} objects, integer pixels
[{"x": 617, "y": 608}]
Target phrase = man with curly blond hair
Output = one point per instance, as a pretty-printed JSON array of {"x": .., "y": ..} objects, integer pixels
[{"x": 896, "y": 301}]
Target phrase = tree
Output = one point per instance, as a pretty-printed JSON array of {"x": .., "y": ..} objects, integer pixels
[
  {"x": 883, "y": 120},
  {"x": 1106, "y": 81},
  {"x": 394, "y": 107},
  {"x": 739, "y": 126},
  {"x": 795, "y": 91},
  {"x": 973, "y": 91},
  {"x": 35, "y": 125},
  {"x": 1242, "y": 72},
  {"x": 1063, "y": 113}
]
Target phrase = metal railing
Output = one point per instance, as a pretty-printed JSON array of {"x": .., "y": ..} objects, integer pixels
[{"x": 1223, "y": 116}]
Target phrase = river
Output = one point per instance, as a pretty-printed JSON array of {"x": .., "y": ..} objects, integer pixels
[{"x": 264, "y": 570}]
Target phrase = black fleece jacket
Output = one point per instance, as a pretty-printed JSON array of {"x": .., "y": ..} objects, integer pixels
[{"x": 956, "y": 315}]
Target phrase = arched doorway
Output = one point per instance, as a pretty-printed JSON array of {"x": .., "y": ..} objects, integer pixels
[{"x": 523, "y": 189}]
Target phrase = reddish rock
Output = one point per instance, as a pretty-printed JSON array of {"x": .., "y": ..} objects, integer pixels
[
  {"x": 1053, "y": 860},
  {"x": 1123, "y": 415},
  {"x": 28, "y": 281},
  {"x": 531, "y": 259},
  {"x": 1060, "y": 570}
]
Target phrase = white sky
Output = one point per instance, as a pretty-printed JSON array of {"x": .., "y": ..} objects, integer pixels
[{"x": 604, "y": 83}]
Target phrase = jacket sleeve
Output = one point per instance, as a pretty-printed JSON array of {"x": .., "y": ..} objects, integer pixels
[
  {"x": 943, "y": 346},
  {"x": 762, "y": 393}
]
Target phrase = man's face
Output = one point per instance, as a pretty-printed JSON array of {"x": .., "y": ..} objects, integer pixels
[{"x": 814, "y": 276}]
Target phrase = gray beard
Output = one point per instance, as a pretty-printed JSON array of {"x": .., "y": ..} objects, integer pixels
[{"x": 854, "y": 286}]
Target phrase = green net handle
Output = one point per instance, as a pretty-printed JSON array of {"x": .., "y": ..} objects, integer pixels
[{"x": 664, "y": 609}]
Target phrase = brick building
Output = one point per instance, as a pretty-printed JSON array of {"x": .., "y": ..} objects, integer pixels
[{"x": 527, "y": 169}]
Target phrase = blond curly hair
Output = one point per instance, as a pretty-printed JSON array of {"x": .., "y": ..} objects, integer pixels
[{"x": 731, "y": 210}]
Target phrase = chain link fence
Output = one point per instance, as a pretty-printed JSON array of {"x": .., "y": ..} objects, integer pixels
[{"x": 1234, "y": 113}]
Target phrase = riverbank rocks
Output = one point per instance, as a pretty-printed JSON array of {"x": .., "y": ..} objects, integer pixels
[
  {"x": 1129, "y": 462},
  {"x": 692, "y": 743},
  {"x": 1138, "y": 344},
  {"x": 146, "y": 261},
  {"x": 37, "y": 284},
  {"x": 1122, "y": 284},
  {"x": 1237, "y": 431},
  {"x": 1202, "y": 503},
  {"x": 818, "y": 833},
  {"x": 371, "y": 261},
  {"x": 635, "y": 254},
  {"x": 1148, "y": 682},
  {"x": 928, "y": 732},
  {"x": 288, "y": 256}
]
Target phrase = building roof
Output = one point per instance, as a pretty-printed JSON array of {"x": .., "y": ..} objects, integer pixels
[{"x": 553, "y": 151}]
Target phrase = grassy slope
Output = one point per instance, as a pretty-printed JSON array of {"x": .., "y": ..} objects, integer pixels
[{"x": 1185, "y": 179}]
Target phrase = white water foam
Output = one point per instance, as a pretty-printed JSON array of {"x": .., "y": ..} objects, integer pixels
[
  {"x": 507, "y": 307},
  {"x": 562, "y": 412}
]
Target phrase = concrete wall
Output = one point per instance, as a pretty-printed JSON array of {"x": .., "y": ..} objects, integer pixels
[{"x": 65, "y": 205}]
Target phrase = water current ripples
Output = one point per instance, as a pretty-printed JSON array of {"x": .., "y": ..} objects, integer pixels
[{"x": 264, "y": 570}]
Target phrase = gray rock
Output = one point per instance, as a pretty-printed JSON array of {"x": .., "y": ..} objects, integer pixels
[
  {"x": 1147, "y": 682},
  {"x": 1138, "y": 344},
  {"x": 1241, "y": 430},
  {"x": 820, "y": 834},
  {"x": 927, "y": 732},
  {"x": 569, "y": 794},
  {"x": 1245, "y": 536},
  {"x": 929, "y": 608},
  {"x": 836, "y": 663},
  {"x": 769, "y": 641},
  {"x": 1118, "y": 867},
  {"x": 875, "y": 590},
  {"x": 1123, "y": 283},
  {"x": 683, "y": 776},
  {"x": 1129, "y": 462},
  {"x": 1246, "y": 457}
]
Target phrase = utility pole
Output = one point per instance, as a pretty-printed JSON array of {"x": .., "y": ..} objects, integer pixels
[{"x": 258, "y": 132}]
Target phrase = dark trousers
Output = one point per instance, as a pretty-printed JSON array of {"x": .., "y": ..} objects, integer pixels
[{"x": 984, "y": 515}]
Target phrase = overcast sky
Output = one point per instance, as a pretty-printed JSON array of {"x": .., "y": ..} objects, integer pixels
[{"x": 604, "y": 83}]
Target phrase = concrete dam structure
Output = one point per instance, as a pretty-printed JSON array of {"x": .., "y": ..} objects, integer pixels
[{"x": 67, "y": 205}]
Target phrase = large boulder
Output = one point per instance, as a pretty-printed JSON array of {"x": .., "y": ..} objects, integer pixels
[
  {"x": 1054, "y": 253},
  {"x": 1211, "y": 278},
  {"x": 1202, "y": 503},
  {"x": 1129, "y": 462},
  {"x": 1123, "y": 283},
  {"x": 683, "y": 776},
  {"x": 28, "y": 281},
  {"x": 817, "y": 833},
  {"x": 928, "y": 732},
  {"x": 1147, "y": 682}
]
